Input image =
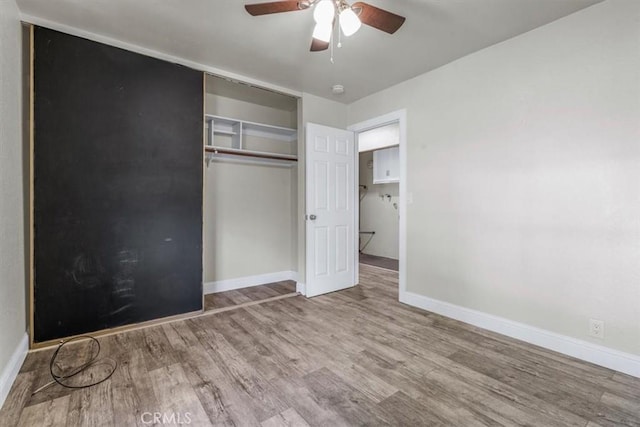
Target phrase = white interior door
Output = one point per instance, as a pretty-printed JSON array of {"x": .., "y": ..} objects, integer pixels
[{"x": 330, "y": 183}]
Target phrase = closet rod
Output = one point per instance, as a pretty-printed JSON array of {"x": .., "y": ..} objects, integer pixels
[{"x": 217, "y": 150}]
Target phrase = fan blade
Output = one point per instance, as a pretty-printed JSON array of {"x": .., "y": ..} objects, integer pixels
[
  {"x": 272, "y": 7},
  {"x": 318, "y": 45},
  {"x": 378, "y": 18}
]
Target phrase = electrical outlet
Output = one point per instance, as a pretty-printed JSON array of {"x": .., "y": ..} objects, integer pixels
[{"x": 596, "y": 328}]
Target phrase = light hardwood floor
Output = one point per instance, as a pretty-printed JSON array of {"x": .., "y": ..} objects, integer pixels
[
  {"x": 245, "y": 295},
  {"x": 355, "y": 357}
]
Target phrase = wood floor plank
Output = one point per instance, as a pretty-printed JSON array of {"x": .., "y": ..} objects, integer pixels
[
  {"x": 46, "y": 414},
  {"x": 630, "y": 406},
  {"x": 532, "y": 374},
  {"x": 91, "y": 406},
  {"x": 386, "y": 329},
  {"x": 288, "y": 418},
  {"x": 382, "y": 335},
  {"x": 262, "y": 358},
  {"x": 238, "y": 297},
  {"x": 180, "y": 337},
  {"x": 409, "y": 412},
  {"x": 132, "y": 391},
  {"x": 224, "y": 403},
  {"x": 320, "y": 351},
  {"x": 491, "y": 338},
  {"x": 159, "y": 352},
  {"x": 255, "y": 293},
  {"x": 288, "y": 355},
  {"x": 627, "y": 380},
  {"x": 259, "y": 292},
  {"x": 37, "y": 360},
  {"x": 285, "y": 287},
  {"x": 17, "y": 398},
  {"x": 219, "y": 300},
  {"x": 584, "y": 402},
  {"x": 49, "y": 393},
  {"x": 175, "y": 396},
  {"x": 392, "y": 371},
  {"x": 340, "y": 362},
  {"x": 332, "y": 392},
  {"x": 497, "y": 404},
  {"x": 294, "y": 392},
  {"x": 418, "y": 387},
  {"x": 510, "y": 395},
  {"x": 239, "y": 371},
  {"x": 474, "y": 338}
]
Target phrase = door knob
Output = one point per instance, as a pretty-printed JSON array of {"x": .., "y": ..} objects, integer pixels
[{"x": 312, "y": 217}]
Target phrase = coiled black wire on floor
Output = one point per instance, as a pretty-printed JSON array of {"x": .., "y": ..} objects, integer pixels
[{"x": 68, "y": 375}]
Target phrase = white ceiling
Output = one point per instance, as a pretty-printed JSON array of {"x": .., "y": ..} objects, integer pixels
[{"x": 275, "y": 48}]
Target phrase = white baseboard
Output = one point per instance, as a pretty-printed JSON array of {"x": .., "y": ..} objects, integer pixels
[
  {"x": 10, "y": 372},
  {"x": 248, "y": 281},
  {"x": 603, "y": 356}
]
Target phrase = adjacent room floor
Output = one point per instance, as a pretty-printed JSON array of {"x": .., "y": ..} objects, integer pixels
[
  {"x": 379, "y": 261},
  {"x": 353, "y": 357}
]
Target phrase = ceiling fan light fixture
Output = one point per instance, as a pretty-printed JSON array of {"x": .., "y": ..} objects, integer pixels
[
  {"x": 323, "y": 32},
  {"x": 324, "y": 11},
  {"x": 349, "y": 22}
]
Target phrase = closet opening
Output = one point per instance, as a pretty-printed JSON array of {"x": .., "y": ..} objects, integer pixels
[{"x": 250, "y": 193}]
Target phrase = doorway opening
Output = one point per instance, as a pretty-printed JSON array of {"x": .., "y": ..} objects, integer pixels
[
  {"x": 382, "y": 193},
  {"x": 379, "y": 187}
]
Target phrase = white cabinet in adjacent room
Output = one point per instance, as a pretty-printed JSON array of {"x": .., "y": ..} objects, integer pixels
[{"x": 386, "y": 165}]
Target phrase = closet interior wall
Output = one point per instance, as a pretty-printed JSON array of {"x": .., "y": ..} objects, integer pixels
[{"x": 250, "y": 219}]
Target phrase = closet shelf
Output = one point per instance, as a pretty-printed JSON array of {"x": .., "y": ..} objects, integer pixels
[
  {"x": 250, "y": 153},
  {"x": 226, "y": 124},
  {"x": 228, "y": 137},
  {"x": 224, "y": 132}
]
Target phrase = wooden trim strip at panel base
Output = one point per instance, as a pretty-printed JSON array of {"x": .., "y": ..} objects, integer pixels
[{"x": 195, "y": 314}]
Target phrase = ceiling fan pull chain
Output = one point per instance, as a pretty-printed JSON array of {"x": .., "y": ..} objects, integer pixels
[
  {"x": 339, "y": 34},
  {"x": 331, "y": 43}
]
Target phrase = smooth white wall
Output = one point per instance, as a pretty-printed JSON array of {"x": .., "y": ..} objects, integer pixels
[
  {"x": 12, "y": 262},
  {"x": 378, "y": 213},
  {"x": 323, "y": 111},
  {"x": 249, "y": 215},
  {"x": 524, "y": 166}
]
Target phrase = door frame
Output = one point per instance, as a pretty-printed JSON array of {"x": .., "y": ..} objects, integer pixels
[{"x": 400, "y": 117}]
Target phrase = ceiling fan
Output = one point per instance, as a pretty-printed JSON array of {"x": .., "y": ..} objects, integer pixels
[{"x": 327, "y": 12}]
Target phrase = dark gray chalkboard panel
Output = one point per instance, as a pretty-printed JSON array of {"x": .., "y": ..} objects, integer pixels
[{"x": 117, "y": 164}]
